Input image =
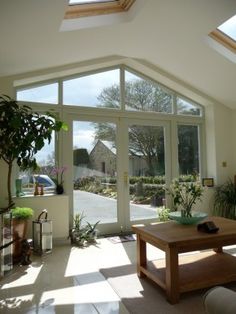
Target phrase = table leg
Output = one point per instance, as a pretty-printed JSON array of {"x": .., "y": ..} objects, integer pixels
[
  {"x": 172, "y": 275},
  {"x": 218, "y": 249},
  {"x": 141, "y": 256}
]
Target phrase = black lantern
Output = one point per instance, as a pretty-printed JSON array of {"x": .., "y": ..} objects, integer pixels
[{"x": 42, "y": 234}]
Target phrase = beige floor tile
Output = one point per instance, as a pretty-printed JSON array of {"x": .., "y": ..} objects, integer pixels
[{"x": 66, "y": 281}]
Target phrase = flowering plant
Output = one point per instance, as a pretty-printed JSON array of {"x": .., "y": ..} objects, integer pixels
[
  {"x": 57, "y": 174},
  {"x": 185, "y": 195}
]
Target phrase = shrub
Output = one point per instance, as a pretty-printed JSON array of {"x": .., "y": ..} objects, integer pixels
[{"x": 22, "y": 212}]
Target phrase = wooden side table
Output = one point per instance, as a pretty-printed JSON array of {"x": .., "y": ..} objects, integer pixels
[{"x": 177, "y": 274}]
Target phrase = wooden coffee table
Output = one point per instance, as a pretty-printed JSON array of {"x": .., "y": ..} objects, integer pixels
[{"x": 181, "y": 273}]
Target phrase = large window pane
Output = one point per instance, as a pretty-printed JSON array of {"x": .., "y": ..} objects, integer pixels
[
  {"x": 143, "y": 95},
  {"x": 95, "y": 90},
  {"x": 188, "y": 150},
  {"x": 146, "y": 171},
  {"x": 43, "y": 94},
  {"x": 95, "y": 189},
  {"x": 43, "y": 176}
]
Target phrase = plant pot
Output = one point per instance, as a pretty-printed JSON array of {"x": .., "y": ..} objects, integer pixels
[
  {"x": 19, "y": 227},
  {"x": 59, "y": 189},
  {"x": 196, "y": 217}
]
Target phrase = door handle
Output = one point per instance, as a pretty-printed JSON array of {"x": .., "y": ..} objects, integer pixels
[{"x": 126, "y": 177}]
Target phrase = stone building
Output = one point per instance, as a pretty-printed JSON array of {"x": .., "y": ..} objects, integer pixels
[{"x": 103, "y": 158}]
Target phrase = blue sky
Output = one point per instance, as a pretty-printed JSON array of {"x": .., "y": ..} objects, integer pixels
[
  {"x": 229, "y": 27},
  {"x": 82, "y": 91}
]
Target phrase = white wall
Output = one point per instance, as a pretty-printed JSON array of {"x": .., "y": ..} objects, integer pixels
[
  {"x": 233, "y": 140},
  {"x": 58, "y": 211},
  {"x": 225, "y": 143}
]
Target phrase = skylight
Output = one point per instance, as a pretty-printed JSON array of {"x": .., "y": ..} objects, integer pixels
[
  {"x": 225, "y": 36},
  {"x": 85, "y": 8},
  {"x": 229, "y": 27},
  {"x": 72, "y": 2}
]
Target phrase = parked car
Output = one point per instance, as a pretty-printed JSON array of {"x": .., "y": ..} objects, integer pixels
[{"x": 28, "y": 183}]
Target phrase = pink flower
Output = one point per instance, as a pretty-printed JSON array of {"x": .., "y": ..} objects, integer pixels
[{"x": 57, "y": 173}]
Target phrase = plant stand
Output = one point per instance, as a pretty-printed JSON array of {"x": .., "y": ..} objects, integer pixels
[{"x": 5, "y": 243}]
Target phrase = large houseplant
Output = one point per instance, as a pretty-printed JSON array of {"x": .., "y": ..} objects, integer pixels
[
  {"x": 225, "y": 200},
  {"x": 23, "y": 133}
]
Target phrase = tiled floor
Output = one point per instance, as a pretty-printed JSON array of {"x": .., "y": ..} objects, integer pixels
[{"x": 67, "y": 281}]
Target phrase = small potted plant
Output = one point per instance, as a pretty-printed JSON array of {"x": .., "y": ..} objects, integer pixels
[
  {"x": 184, "y": 196},
  {"x": 82, "y": 233},
  {"x": 57, "y": 174},
  {"x": 20, "y": 217}
]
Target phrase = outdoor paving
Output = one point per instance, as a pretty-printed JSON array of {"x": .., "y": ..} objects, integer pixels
[{"x": 97, "y": 207}]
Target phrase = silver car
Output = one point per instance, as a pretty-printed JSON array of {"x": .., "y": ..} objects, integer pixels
[{"x": 28, "y": 183}]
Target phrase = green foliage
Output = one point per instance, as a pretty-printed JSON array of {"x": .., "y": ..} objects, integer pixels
[
  {"x": 80, "y": 156},
  {"x": 81, "y": 233},
  {"x": 23, "y": 133},
  {"x": 185, "y": 195},
  {"x": 163, "y": 214},
  {"x": 22, "y": 212},
  {"x": 148, "y": 142},
  {"x": 225, "y": 200},
  {"x": 151, "y": 187}
]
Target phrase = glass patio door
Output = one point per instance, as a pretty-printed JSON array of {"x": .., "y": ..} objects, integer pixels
[
  {"x": 119, "y": 169},
  {"x": 148, "y": 169},
  {"x": 95, "y": 172}
]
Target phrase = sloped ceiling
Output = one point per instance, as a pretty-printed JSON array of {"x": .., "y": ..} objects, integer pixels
[{"x": 170, "y": 34}]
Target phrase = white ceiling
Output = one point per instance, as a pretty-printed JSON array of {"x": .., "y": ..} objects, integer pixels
[{"x": 170, "y": 34}]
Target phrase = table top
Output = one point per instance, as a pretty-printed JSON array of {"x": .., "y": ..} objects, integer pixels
[{"x": 172, "y": 233}]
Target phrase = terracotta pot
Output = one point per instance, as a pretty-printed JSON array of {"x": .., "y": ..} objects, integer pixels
[{"x": 19, "y": 229}]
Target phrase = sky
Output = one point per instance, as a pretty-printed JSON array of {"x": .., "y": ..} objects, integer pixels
[
  {"x": 82, "y": 91},
  {"x": 84, "y": 134},
  {"x": 229, "y": 27}
]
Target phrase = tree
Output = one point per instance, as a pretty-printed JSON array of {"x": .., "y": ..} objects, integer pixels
[
  {"x": 22, "y": 134},
  {"x": 148, "y": 142},
  {"x": 80, "y": 156},
  {"x": 188, "y": 149},
  {"x": 145, "y": 141}
]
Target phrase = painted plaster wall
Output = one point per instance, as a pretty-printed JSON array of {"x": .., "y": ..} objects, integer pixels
[
  {"x": 58, "y": 211},
  {"x": 225, "y": 143}
]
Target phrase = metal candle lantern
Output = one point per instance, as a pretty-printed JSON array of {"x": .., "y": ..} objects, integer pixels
[{"x": 42, "y": 234}]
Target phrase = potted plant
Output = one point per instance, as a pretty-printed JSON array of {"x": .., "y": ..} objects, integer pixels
[
  {"x": 23, "y": 133},
  {"x": 20, "y": 217},
  {"x": 57, "y": 176},
  {"x": 184, "y": 196},
  {"x": 82, "y": 233},
  {"x": 225, "y": 200}
]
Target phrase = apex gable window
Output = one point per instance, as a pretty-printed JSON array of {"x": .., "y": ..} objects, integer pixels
[
  {"x": 85, "y": 8},
  {"x": 121, "y": 93},
  {"x": 40, "y": 94},
  {"x": 225, "y": 34}
]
